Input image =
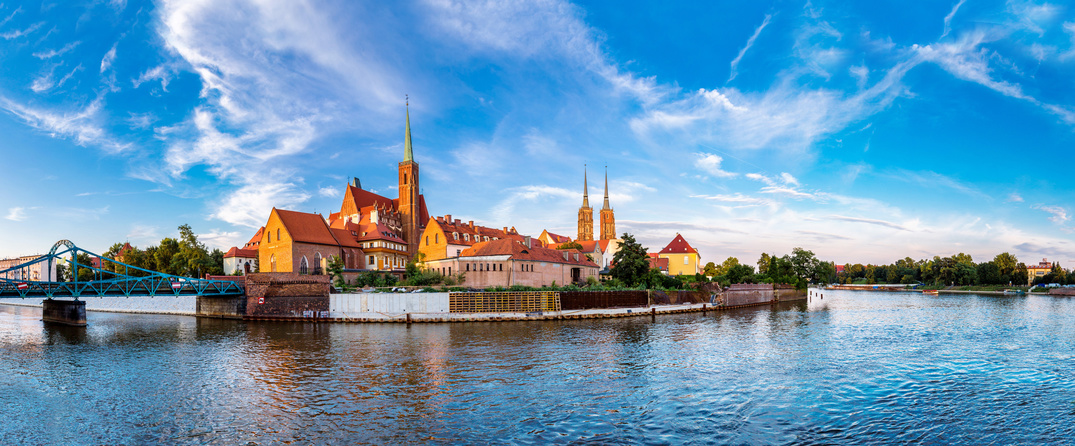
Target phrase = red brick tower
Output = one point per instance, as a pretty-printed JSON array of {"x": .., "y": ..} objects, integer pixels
[{"x": 408, "y": 191}]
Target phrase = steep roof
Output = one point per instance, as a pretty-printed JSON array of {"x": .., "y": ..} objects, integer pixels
[
  {"x": 678, "y": 245},
  {"x": 477, "y": 233},
  {"x": 519, "y": 251},
  {"x": 557, "y": 238},
  {"x": 241, "y": 253},
  {"x": 256, "y": 239},
  {"x": 306, "y": 228},
  {"x": 587, "y": 246}
]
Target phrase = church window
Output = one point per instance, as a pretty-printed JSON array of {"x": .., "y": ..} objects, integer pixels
[
  {"x": 272, "y": 262},
  {"x": 436, "y": 238},
  {"x": 304, "y": 267},
  {"x": 427, "y": 240},
  {"x": 277, "y": 234}
]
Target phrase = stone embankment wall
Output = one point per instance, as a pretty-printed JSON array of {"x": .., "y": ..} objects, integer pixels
[
  {"x": 163, "y": 304},
  {"x": 747, "y": 294}
]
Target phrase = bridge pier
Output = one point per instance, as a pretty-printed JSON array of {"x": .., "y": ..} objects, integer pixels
[
  {"x": 224, "y": 307},
  {"x": 67, "y": 312}
]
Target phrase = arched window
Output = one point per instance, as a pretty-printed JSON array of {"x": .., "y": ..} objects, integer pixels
[
  {"x": 318, "y": 267},
  {"x": 277, "y": 234},
  {"x": 272, "y": 263},
  {"x": 304, "y": 266},
  {"x": 436, "y": 238},
  {"x": 427, "y": 240}
]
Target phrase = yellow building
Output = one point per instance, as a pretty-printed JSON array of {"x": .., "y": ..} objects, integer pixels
[
  {"x": 1038, "y": 271},
  {"x": 682, "y": 257}
]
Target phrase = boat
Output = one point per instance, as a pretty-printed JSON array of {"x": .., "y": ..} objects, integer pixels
[
  {"x": 930, "y": 292},
  {"x": 1014, "y": 292}
]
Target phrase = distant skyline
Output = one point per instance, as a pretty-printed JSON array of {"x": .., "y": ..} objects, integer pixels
[{"x": 863, "y": 131}]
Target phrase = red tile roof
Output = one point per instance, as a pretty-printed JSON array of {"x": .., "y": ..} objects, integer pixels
[
  {"x": 678, "y": 245},
  {"x": 256, "y": 239},
  {"x": 241, "y": 253},
  {"x": 557, "y": 238},
  {"x": 519, "y": 251},
  {"x": 588, "y": 246},
  {"x": 477, "y": 233},
  {"x": 306, "y": 228}
]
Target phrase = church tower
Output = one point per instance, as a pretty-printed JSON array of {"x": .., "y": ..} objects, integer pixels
[
  {"x": 585, "y": 213},
  {"x": 408, "y": 191},
  {"x": 608, "y": 220}
]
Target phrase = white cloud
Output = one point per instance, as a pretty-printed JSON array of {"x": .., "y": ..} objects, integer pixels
[
  {"x": 11, "y": 16},
  {"x": 948, "y": 18},
  {"x": 53, "y": 53},
  {"x": 160, "y": 73},
  {"x": 1014, "y": 197},
  {"x": 328, "y": 192},
  {"x": 109, "y": 57},
  {"x": 536, "y": 30},
  {"x": 710, "y": 163},
  {"x": 250, "y": 205},
  {"x": 16, "y": 214},
  {"x": 222, "y": 240},
  {"x": 1059, "y": 214},
  {"x": 144, "y": 233},
  {"x": 750, "y": 43},
  {"x": 789, "y": 179},
  {"x": 22, "y": 32},
  {"x": 82, "y": 126}
]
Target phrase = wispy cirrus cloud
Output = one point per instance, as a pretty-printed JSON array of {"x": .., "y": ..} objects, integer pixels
[
  {"x": 53, "y": 53},
  {"x": 82, "y": 126},
  {"x": 17, "y": 213},
  {"x": 948, "y": 18},
  {"x": 1059, "y": 214},
  {"x": 21, "y": 32},
  {"x": 750, "y": 43}
]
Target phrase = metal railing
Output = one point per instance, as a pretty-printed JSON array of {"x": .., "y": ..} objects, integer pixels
[{"x": 504, "y": 302}]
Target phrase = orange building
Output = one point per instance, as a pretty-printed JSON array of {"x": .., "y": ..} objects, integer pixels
[
  {"x": 444, "y": 237},
  {"x": 506, "y": 262},
  {"x": 548, "y": 238},
  {"x": 585, "y": 213},
  {"x": 303, "y": 243}
]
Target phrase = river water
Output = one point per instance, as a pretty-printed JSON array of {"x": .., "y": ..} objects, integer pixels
[{"x": 851, "y": 368}]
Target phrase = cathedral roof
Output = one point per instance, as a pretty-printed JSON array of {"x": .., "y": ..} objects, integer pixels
[{"x": 678, "y": 245}]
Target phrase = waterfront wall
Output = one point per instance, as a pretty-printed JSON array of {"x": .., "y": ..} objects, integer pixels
[
  {"x": 286, "y": 295},
  {"x": 748, "y": 294},
  {"x": 370, "y": 304},
  {"x": 580, "y": 300},
  {"x": 185, "y": 305}
]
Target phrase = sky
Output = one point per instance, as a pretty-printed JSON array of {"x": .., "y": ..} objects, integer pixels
[{"x": 862, "y": 131}]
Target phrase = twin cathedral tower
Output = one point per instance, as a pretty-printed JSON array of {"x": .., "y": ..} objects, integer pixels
[{"x": 608, "y": 220}]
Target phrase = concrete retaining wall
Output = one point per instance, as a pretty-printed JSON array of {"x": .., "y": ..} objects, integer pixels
[
  {"x": 186, "y": 305},
  {"x": 391, "y": 305},
  {"x": 747, "y": 294}
]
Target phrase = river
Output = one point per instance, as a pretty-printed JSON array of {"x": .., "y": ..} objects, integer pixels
[{"x": 851, "y": 368}]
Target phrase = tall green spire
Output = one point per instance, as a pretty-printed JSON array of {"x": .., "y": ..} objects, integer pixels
[{"x": 408, "y": 153}]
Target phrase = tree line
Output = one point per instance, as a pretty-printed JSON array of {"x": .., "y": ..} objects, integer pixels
[{"x": 958, "y": 270}]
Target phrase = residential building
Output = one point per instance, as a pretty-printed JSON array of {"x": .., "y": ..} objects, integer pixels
[
  {"x": 38, "y": 272},
  {"x": 661, "y": 264},
  {"x": 506, "y": 262},
  {"x": 683, "y": 259},
  {"x": 444, "y": 237},
  {"x": 591, "y": 248},
  {"x": 1038, "y": 271}
]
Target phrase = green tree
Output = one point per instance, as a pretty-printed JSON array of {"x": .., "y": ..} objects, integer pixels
[
  {"x": 165, "y": 256},
  {"x": 570, "y": 245},
  {"x": 335, "y": 269},
  {"x": 739, "y": 274},
  {"x": 631, "y": 263},
  {"x": 1021, "y": 276},
  {"x": 710, "y": 270},
  {"x": 763, "y": 263},
  {"x": 1006, "y": 263},
  {"x": 727, "y": 265}
]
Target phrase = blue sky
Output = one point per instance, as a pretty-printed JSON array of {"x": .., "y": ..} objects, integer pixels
[{"x": 864, "y": 131}]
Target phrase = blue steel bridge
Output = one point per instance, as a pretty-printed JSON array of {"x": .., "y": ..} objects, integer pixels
[{"x": 120, "y": 280}]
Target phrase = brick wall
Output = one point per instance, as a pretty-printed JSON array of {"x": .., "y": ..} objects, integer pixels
[{"x": 286, "y": 294}]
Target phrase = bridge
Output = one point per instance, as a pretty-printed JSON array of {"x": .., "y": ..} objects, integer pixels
[{"x": 111, "y": 278}]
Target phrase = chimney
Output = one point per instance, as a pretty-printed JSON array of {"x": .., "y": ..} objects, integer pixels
[
  {"x": 527, "y": 242},
  {"x": 457, "y": 222},
  {"x": 448, "y": 218},
  {"x": 471, "y": 224},
  {"x": 505, "y": 229}
]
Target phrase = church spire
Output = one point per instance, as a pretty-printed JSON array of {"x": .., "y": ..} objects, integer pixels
[
  {"x": 408, "y": 153},
  {"x": 585, "y": 189},
  {"x": 606, "y": 188}
]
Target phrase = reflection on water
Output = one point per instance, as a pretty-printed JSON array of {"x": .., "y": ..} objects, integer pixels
[{"x": 851, "y": 368}]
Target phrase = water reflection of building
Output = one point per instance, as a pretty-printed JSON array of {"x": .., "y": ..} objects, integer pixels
[{"x": 36, "y": 272}]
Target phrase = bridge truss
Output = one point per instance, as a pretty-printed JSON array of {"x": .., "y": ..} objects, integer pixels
[{"x": 122, "y": 280}]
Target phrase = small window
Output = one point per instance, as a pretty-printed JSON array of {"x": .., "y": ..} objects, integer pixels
[
  {"x": 468, "y": 267},
  {"x": 686, "y": 260},
  {"x": 427, "y": 240},
  {"x": 277, "y": 234},
  {"x": 436, "y": 238}
]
